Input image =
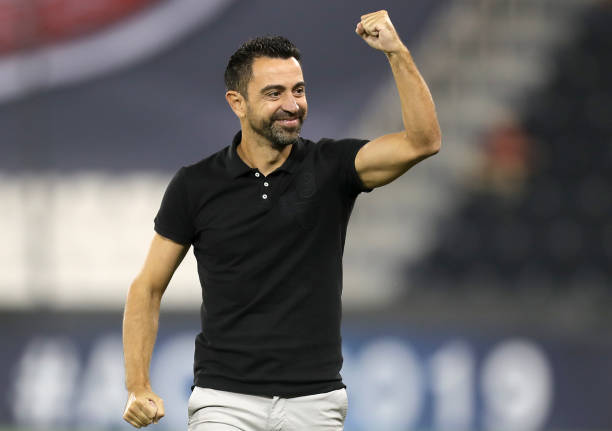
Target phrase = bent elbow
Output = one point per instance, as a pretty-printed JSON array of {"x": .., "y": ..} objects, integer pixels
[
  {"x": 435, "y": 145},
  {"x": 432, "y": 144},
  {"x": 425, "y": 144}
]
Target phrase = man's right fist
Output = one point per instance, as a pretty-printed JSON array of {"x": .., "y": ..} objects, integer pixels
[{"x": 143, "y": 408}]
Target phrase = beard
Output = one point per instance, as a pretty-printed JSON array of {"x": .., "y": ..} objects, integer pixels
[{"x": 274, "y": 131}]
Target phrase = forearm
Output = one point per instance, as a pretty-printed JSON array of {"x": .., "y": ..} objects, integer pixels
[
  {"x": 418, "y": 109},
  {"x": 140, "y": 323}
]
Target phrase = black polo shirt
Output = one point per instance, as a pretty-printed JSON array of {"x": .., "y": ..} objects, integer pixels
[{"x": 269, "y": 253}]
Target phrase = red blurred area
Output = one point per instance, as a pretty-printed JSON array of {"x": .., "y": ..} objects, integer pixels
[
  {"x": 507, "y": 156},
  {"x": 26, "y": 24},
  {"x": 507, "y": 147}
]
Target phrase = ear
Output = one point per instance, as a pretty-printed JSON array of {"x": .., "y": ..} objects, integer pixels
[{"x": 237, "y": 102}]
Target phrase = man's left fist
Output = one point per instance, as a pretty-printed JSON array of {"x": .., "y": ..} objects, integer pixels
[{"x": 378, "y": 32}]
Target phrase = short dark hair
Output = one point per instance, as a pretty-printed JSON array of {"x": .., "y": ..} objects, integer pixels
[{"x": 240, "y": 66}]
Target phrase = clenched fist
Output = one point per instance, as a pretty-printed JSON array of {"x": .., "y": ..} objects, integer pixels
[
  {"x": 143, "y": 408},
  {"x": 378, "y": 32}
]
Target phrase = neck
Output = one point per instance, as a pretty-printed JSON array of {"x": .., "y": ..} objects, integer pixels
[{"x": 257, "y": 152}]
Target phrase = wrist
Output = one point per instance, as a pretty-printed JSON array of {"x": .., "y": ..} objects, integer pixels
[
  {"x": 138, "y": 387},
  {"x": 401, "y": 51}
]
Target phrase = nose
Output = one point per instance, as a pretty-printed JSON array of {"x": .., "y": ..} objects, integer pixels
[{"x": 290, "y": 104}]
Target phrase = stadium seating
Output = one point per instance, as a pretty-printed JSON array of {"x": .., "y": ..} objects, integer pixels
[{"x": 548, "y": 226}]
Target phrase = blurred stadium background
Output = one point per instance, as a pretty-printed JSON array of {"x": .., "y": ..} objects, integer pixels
[{"x": 477, "y": 287}]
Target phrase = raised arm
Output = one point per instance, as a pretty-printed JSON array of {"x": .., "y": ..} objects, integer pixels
[
  {"x": 140, "y": 329},
  {"x": 385, "y": 158}
]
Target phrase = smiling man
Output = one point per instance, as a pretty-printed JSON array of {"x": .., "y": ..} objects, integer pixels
[{"x": 267, "y": 219}]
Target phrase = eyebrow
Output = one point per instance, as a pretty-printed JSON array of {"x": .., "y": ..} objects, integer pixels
[{"x": 281, "y": 87}]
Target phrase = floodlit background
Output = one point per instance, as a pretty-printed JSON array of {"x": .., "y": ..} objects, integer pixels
[{"x": 477, "y": 287}]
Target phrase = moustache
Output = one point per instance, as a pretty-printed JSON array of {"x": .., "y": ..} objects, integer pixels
[{"x": 289, "y": 116}]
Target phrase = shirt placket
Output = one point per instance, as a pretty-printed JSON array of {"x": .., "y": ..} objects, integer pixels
[{"x": 265, "y": 188}]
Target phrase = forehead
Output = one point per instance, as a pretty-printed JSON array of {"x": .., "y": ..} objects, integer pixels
[{"x": 275, "y": 71}]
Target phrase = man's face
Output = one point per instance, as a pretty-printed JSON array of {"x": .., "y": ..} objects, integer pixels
[{"x": 276, "y": 106}]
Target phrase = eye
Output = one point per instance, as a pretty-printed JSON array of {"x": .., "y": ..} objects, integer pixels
[{"x": 300, "y": 91}]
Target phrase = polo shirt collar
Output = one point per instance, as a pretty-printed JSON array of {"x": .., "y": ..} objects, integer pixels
[{"x": 237, "y": 167}]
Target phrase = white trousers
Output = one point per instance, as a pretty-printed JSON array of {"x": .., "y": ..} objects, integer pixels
[{"x": 214, "y": 410}]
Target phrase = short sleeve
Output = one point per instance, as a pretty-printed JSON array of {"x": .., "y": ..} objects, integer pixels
[
  {"x": 174, "y": 220},
  {"x": 346, "y": 150}
]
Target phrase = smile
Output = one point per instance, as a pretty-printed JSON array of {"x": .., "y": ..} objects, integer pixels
[{"x": 290, "y": 123}]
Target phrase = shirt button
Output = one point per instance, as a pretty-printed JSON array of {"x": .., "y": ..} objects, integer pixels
[
  {"x": 257, "y": 174},
  {"x": 266, "y": 184},
  {"x": 264, "y": 196}
]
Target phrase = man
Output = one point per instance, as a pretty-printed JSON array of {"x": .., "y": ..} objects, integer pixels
[{"x": 267, "y": 218}]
